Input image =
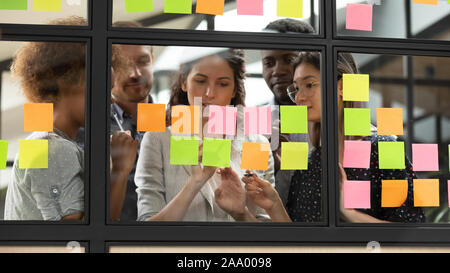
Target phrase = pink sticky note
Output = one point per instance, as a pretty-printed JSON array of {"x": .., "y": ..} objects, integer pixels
[
  {"x": 359, "y": 17},
  {"x": 425, "y": 157},
  {"x": 257, "y": 120},
  {"x": 222, "y": 120},
  {"x": 357, "y": 154},
  {"x": 250, "y": 7},
  {"x": 448, "y": 191},
  {"x": 357, "y": 194}
]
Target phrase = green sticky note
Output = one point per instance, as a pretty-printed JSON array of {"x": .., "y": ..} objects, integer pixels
[
  {"x": 184, "y": 150},
  {"x": 294, "y": 155},
  {"x": 357, "y": 121},
  {"x": 294, "y": 119},
  {"x": 3, "y": 154},
  {"x": 355, "y": 87},
  {"x": 391, "y": 155},
  {"x": 216, "y": 152},
  {"x": 138, "y": 5},
  {"x": 178, "y": 6},
  {"x": 290, "y": 8},
  {"x": 33, "y": 154},
  {"x": 47, "y": 5},
  {"x": 13, "y": 4}
]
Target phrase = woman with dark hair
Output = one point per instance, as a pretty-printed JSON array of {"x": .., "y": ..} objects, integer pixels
[
  {"x": 305, "y": 194},
  {"x": 54, "y": 72},
  {"x": 198, "y": 193}
]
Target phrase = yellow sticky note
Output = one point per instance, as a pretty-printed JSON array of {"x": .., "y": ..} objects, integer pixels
[
  {"x": 389, "y": 121},
  {"x": 290, "y": 8},
  {"x": 355, "y": 87},
  {"x": 47, "y": 5},
  {"x": 426, "y": 192},
  {"x": 294, "y": 156},
  {"x": 393, "y": 193},
  {"x": 38, "y": 117},
  {"x": 427, "y": 2},
  {"x": 214, "y": 7},
  {"x": 33, "y": 154}
]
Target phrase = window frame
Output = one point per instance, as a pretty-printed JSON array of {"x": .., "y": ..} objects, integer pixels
[{"x": 99, "y": 233}]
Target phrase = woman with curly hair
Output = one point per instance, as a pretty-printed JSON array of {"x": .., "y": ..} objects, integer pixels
[
  {"x": 54, "y": 72},
  {"x": 198, "y": 193}
]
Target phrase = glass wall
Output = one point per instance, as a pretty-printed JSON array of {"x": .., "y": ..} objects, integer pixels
[{"x": 395, "y": 146}]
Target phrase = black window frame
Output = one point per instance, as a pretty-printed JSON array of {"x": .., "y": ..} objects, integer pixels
[{"x": 98, "y": 233}]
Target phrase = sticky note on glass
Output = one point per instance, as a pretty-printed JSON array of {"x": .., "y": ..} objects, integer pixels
[
  {"x": 293, "y": 119},
  {"x": 391, "y": 155},
  {"x": 389, "y": 121},
  {"x": 33, "y": 154},
  {"x": 222, "y": 120},
  {"x": 3, "y": 154},
  {"x": 214, "y": 7},
  {"x": 357, "y": 194},
  {"x": 255, "y": 156},
  {"x": 13, "y": 5},
  {"x": 138, "y": 5},
  {"x": 355, "y": 87},
  {"x": 290, "y": 8},
  {"x": 448, "y": 181},
  {"x": 425, "y": 157},
  {"x": 47, "y": 5},
  {"x": 185, "y": 119},
  {"x": 427, "y": 2},
  {"x": 257, "y": 120},
  {"x": 151, "y": 117},
  {"x": 357, "y": 154},
  {"x": 216, "y": 152},
  {"x": 393, "y": 193},
  {"x": 250, "y": 7},
  {"x": 184, "y": 150},
  {"x": 38, "y": 117},
  {"x": 357, "y": 121},
  {"x": 294, "y": 156},
  {"x": 178, "y": 6},
  {"x": 426, "y": 192},
  {"x": 449, "y": 154},
  {"x": 359, "y": 17}
]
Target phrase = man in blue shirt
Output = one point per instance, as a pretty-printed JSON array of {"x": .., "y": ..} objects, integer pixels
[{"x": 130, "y": 87}]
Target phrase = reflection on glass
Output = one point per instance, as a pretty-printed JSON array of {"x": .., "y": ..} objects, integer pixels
[
  {"x": 41, "y": 12},
  {"x": 390, "y": 20},
  {"x": 43, "y": 101},
  {"x": 411, "y": 192},
  {"x": 230, "y": 20},
  {"x": 179, "y": 173}
]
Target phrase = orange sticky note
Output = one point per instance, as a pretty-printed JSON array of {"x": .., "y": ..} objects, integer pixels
[
  {"x": 426, "y": 192},
  {"x": 38, "y": 117},
  {"x": 389, "y": 121},
  {"x": 214, "y": 7},
  {"x": 427, "y": 2},
  {"x": 185, "y": 119},
  {"x": 151, "y": 117},
  {"x": 255, "y": 156},
  {"x": 393, "y": 193}
]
